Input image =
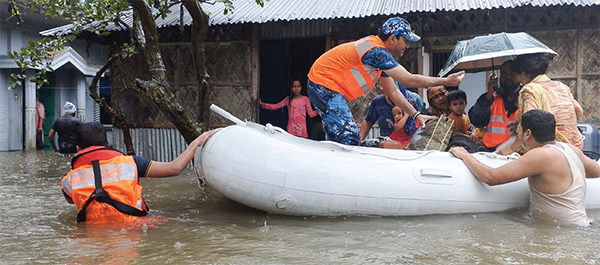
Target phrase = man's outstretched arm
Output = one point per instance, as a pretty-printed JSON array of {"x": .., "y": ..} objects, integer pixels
[
  {"x": 174, "y": 168},
  {"x": 530, "y": 164}
]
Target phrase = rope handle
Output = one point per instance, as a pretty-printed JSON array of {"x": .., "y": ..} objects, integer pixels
[
  {"x": 436, "y": 125},
  {"x": 446, "y": 135}
]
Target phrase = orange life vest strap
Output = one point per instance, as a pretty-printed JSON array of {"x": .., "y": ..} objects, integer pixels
[{"x": 101, "y": 195}]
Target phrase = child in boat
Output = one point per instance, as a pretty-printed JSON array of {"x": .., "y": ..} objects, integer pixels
[
  {"x": 399, "y": 134},
  {"x": 457, "y": 99},
  {"x": 298, "y": 106}
]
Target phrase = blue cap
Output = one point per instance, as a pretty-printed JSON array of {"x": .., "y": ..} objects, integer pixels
[{"x": 398, "y": 25}]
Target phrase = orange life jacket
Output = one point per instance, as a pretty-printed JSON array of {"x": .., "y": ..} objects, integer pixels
[
  {"x": 114, "y": 196},
  {"x": 341, "y": 69},
  {"x": 496, "y": 131}
]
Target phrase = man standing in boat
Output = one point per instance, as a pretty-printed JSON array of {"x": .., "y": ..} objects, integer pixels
[
  {"x": 104, "y": 183},
  {"x": 354, "y": 68},
  {"x": 556, "y": 171}
]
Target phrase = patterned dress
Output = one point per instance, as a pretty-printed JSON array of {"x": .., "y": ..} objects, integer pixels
[{"x": 296, "y": 114}]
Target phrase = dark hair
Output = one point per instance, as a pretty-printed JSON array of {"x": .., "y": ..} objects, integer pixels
[
  {"x": 91, "y": 134},
  {"x": 384, "y": 36},
  {"x": 533, "y": 64},
  {"x": 456, "y": 95},
  {"x": 509, "y": 63},
  {"x": 541, "y": 124},
  {"x": 291, "y": 97}
]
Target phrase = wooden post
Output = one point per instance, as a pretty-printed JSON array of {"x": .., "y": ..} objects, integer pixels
[
  {"x": 255, "y": 70},
  {"x": 579, "y": 96}
]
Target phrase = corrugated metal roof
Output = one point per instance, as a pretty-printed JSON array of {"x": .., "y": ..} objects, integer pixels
[{"x": 247, "y": 11}]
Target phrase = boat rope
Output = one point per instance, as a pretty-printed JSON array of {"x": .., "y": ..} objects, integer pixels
[
  {"x": 422, "y": 154},
  {"x": 512, "y": 156},
  {"x": 272, "y": 129}
]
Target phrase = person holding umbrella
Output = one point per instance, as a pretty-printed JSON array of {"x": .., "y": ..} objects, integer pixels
[
  {"x": 540, "y": 92},
  {"x": 354, "y": 68},
  {"x": 497, "y": 108}
]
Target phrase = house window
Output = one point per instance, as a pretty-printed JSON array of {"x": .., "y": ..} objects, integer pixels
[{"x": 439, "y": 59}]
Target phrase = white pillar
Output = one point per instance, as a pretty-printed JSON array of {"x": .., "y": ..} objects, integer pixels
[
  {"x": 81, "y": 93},
  {"x": 30, "y": 113}
]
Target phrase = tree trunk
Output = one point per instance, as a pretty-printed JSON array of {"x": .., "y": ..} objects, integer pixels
[
  {"x": 157, "y": 88},
  {"x": 199, "y": 29},
  {"x": 117, "y": 117}
]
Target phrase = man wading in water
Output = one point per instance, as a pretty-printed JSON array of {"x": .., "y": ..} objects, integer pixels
[
  {"x": 118, "y": 196},
  {"x": 556, "y": 171}
]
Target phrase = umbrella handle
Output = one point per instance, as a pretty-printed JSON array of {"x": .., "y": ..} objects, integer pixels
[{"x": 493, "y": 75}]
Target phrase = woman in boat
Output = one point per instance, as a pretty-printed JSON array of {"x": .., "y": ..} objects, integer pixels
[
  {"x": 437, "y": 97},
  {"x": 540, "y": 92},
  {"x": 298, "y": 106}
]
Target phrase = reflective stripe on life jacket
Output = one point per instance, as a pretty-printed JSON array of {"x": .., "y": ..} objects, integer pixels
[
  {"x": 341, "y": 69},
  {"x": 119, "y": 181},
  {"x": 496, "y": 131}
]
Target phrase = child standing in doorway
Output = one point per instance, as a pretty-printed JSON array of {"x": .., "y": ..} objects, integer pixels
[
  {"x": 457, "y": 99},
  {"x": 298, "y": 106}
]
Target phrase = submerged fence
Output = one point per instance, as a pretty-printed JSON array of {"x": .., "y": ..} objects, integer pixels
[{"x": 161, "y": 145}]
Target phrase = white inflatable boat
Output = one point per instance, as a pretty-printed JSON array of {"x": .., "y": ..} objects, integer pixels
[{"x": 266, "y": 168}]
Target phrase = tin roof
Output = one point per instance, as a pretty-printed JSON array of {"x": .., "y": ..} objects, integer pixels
[{"x": 247, "y": 11}]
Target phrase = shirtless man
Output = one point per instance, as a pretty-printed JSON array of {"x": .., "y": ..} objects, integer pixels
[{"x": 557, "y": 188}]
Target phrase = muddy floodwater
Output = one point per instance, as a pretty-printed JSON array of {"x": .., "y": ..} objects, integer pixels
[{"x": 190, "y": 226}]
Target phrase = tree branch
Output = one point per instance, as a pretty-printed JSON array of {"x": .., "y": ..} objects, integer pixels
[{"x": 118, "y": 118}]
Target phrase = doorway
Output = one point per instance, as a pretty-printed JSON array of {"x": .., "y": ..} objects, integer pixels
[
  {"x": 47, "y": 97},
  {"x": 281, "y": 62}
]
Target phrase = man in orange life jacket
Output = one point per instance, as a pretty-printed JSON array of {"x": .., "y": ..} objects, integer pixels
[
  {"x": 104, "y": 183},
  {"x": 497, "y": 108},
  {"x": 354, "y": 68}
]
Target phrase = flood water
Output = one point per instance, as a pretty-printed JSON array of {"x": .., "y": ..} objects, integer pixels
[{"x": 37, "y": 226}]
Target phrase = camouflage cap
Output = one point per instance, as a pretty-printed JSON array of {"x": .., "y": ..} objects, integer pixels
[{"x": 398, "y": 25}]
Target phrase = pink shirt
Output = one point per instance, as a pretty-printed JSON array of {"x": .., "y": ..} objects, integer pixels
[
  {"x": 40, "y": 112},
  {"x": 296, "y": 114}
]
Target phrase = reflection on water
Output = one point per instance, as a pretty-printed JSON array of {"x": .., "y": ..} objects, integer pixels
[{"x": 38, "y": 226}]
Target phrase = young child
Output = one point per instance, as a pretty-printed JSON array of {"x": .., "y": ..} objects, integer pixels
[
  {"x": 399, "y": 134},
  {"x": 457, "y": 99},
  {"x": 298, "y": 105}
]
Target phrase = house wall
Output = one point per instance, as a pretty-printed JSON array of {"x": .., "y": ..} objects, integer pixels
[
  {"x": 11, "y": 115},
  {"x": 13, "y": 133},
  {"x": 572, "y": 31},
  {"x": 229, "y": 65},
  {"x": 4, "y": 40}
]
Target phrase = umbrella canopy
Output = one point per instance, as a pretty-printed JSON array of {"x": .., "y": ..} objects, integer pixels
[{"x": 484, "y": 53}]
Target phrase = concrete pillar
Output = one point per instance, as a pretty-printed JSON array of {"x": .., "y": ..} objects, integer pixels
[
  {"x": 30, "y": 115},
  {"x": 81, "y": 93}
]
